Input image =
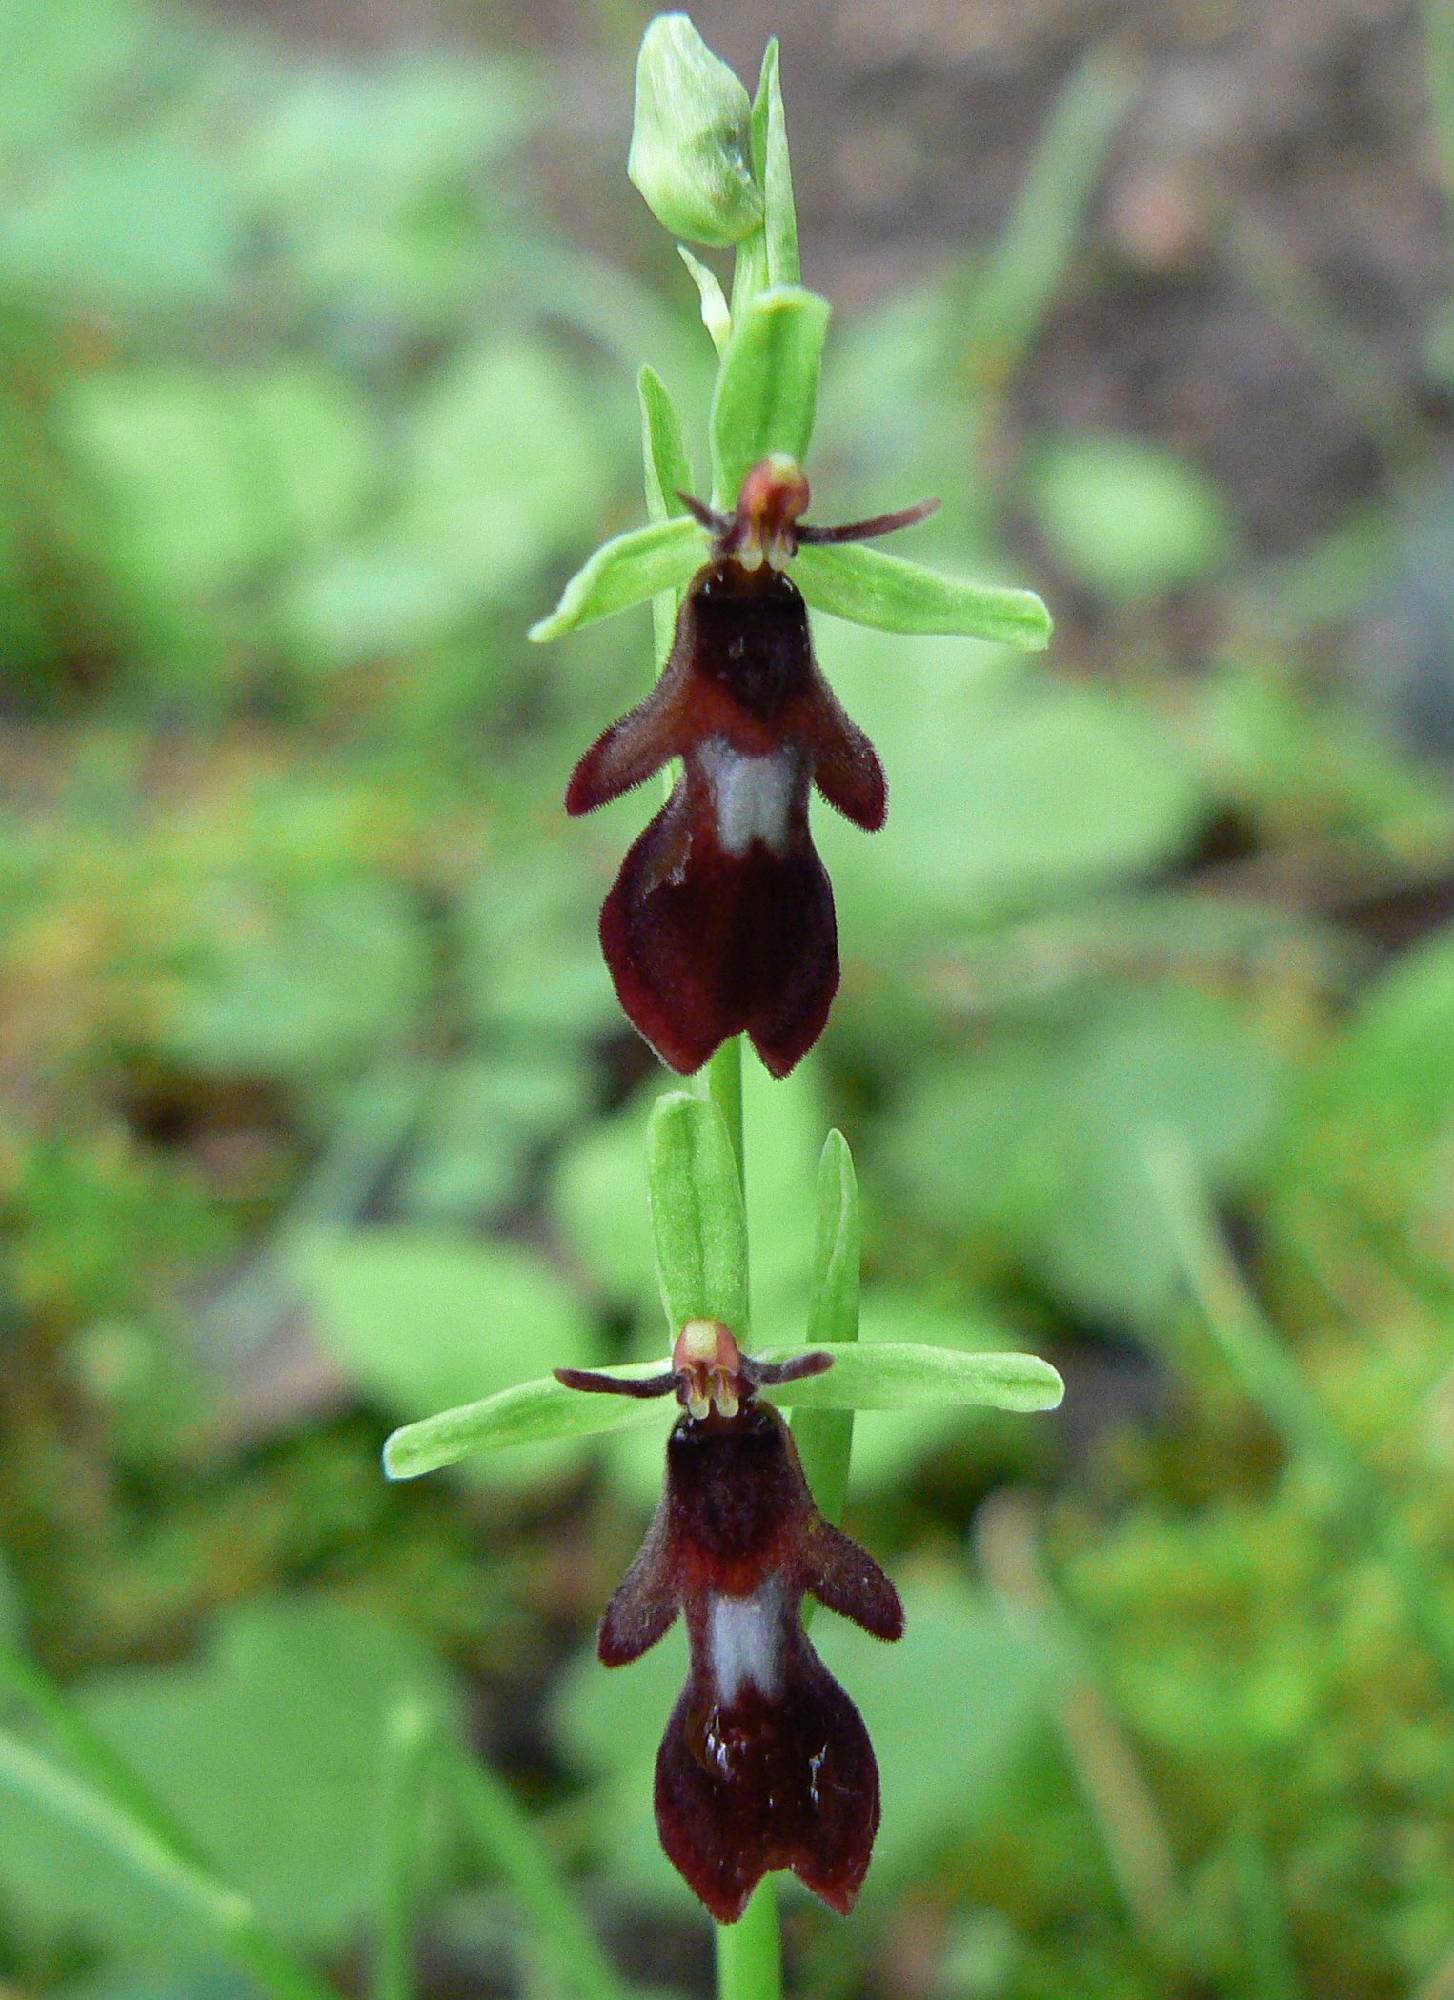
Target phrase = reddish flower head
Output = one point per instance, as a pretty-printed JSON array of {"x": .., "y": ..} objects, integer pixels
[
  {"x": 765, "y": 1762},
  {"x": 721, "y": 920}
]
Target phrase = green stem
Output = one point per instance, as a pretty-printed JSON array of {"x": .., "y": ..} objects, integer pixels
[
  {"x": 749, "y": 1952},
  {"x": 508, "y": 1842},
  {"x": 192, "y": 1890}
]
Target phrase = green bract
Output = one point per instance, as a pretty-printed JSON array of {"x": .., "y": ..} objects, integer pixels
[
  {"x": 766, "y": 398},
  {"x": 775, "y": 175},
  {"x": 696, "y": 1214},
  {"x": 870, "y": 588},
  {"x": 667, "y": 472},
  {"x": 825, "y": 1436},
  {"x": 691, "y": 145},
  {"x": 716, "y": 315}
]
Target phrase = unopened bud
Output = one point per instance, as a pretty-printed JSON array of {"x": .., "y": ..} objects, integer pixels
[{"x": 691, "y": 145}]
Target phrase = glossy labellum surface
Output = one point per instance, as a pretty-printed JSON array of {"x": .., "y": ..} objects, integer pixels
[
  {"x": 765, "y": 1762},
  {"x": 721, "y": 920}
]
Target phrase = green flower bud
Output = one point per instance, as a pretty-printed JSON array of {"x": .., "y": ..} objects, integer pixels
[{"x": 691, "y": 147}]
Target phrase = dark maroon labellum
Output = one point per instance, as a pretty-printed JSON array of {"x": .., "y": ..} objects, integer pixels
[
  {"x": 721, "y": 920},
  {"x": 765, "y": 1763}
]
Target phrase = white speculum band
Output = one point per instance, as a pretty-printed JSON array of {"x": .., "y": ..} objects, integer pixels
[
  {"x": 744, "y": 1641},
  {"x": 753, "y": 795}
]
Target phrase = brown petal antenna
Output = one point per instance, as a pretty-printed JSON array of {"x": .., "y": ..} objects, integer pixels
[
  {"x": 876, "y": 524},
  {"x": 707, "y": 517},
  {"x": 616, "y": 1385},
  {"x": 765, "y": 1374}
]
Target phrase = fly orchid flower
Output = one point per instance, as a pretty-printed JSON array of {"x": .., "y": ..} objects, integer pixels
[
  {"x": 721, "y": 920},
  {"x": 765, "y": 1762}
]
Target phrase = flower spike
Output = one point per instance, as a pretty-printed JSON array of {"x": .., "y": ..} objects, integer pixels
[
  {"x": 765, "y": 1762},
  {"x": 721, "y": 920}
]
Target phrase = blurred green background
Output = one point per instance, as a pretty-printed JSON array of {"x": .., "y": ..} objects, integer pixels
[{"x": 318, "y": 329}]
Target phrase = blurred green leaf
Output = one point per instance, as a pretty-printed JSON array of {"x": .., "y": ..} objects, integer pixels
[
  {"x": 487, "y": 1118},
  {"x": 312, "y": 985},
  {"x": 423, "y": 1320},
  {"x": 1038, "y": 1140},
  {"x": 1005, "y": 794},
  {"x": 1127, "y": 517},
  {"x": 766, "y": 398},
  {"x": 286, "y": 1687}
]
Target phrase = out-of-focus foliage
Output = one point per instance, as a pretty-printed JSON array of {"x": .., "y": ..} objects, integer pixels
[{"x": 318, "y": 1113}]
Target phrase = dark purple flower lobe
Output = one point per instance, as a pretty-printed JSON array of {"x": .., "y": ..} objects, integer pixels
[
  {"x": 721, "y": 920},
  {"x": 765, "y": 1762}
]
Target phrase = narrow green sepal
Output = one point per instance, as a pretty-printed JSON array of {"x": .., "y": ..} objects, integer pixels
[
  {"x": 892, "y": 1375},
  {"x": 668, "y": 470},
  {"x": 529, "y": 1413},
  {"x": 626, "y": 571},
  {"x": 825, "y": 1436},
  {"x": 774, "y": 172},
  {"x": 766, "y": 398},
  {"x": 696, "y": 1214},
  {"x": 716, "y": 314},
  {"x": 870, "y": 588},
  {"x": 691, "y": 142}
]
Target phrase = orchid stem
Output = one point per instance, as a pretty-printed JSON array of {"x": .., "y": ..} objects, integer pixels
[{"x": 749, "y": 1952}]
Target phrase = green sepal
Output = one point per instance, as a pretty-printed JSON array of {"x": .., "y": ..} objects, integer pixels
[
  {"x": 766, "y": 398},
  {"x": 870, "y": 588},
  {"x": 876, "y": 1375},
  {"x": 625, "y": 571},
  {"x": 667, "y": 469},
  {"x": 774, "y": 173},
  {"x": 691, "y": 142},
  {"x": 666, "y": 472},
  {"x": 529, "y": 1413},
  {"x": 825, "y": 1436},
  {"x": 893, "y": 1375},
  {"x": 716, "y": 315},
  {"x": 697, "y": 1214}
]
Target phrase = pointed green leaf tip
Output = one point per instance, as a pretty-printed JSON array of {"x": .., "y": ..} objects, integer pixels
[
  {"x": 696, "y": 1213},
  {"x": 691, "y": 144},
  {"x": 868, "y": 587},
  {"x": 627, "y": 570}
]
